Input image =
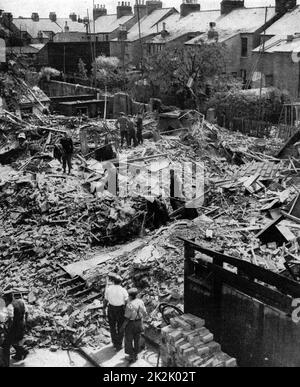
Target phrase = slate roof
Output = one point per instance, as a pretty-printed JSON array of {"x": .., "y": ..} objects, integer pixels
[
  {"x": 46, "y": 25},
  {"x": 31, "y": 49},
  {"x": 279, "y": 43},
  {"x": 242, "y": 20},
  {"x": 149, "y": 24},
  {"x": 109, "y": 23},
  {"x": 288, "y": 24},
  {"x": 177, "y": 26},
  {"x": 27, "y": 98}
]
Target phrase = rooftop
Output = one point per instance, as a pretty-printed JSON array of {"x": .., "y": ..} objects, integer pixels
[
  {"x": 109, "y": 23},
  {"x": 27, "y": 98},
  {"x": 287, "y": 24},
  {"x": 197, "y": 22},
  {"x": 46, "y": 25},
  {"x": 280, "y": 43},
  {"x": 242, "y": 20},
  {"x": 149, "y": 23},
  {"x": 30, "y": 49}
]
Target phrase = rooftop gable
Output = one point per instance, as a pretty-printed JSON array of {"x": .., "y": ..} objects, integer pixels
[
  {"x": 46, "y": 25},
  {"x": 241, "y": 20},
  {"x": 197, "y": 22},
  {"x": 148, "y": 24},
  {"x": 288, "y": 24},
  {"x": 109, "y": 23}
]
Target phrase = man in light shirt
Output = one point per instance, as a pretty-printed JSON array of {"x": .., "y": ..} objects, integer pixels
[{"x": 116, "y": 298}]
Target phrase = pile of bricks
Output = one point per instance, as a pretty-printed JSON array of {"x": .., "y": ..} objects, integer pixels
[{"x": 187, "y": 343}]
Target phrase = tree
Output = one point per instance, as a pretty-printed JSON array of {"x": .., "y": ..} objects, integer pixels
[
  {"x": 186, "y": 70},
  {"x": 82, "y": 71},
  {"x": 108, "y": 72}
]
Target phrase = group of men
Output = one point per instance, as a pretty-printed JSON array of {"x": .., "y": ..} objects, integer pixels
[
  {"x": 131, "y": 129},
  {"x": 125, "y": 312},
  {"x": 13, "y": 320}
]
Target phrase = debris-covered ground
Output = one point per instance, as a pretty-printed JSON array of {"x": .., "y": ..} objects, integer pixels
[{"x": 51, "y": 222}]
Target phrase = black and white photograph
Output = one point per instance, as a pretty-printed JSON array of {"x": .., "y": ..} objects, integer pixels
[{"x": 149, "y": 186}]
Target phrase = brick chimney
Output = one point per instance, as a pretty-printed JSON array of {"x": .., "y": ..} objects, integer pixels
[
  {"x": 7, "y": 19},
  {"x": 98, "y": 11},
  {"x": 52, "y": 16},
  {"x": 35, "y": 17},
  {"x": 66, "y": 28},
  {"x": 212, "y": 33},
  {"x": 140, "y": 8},
  {"x": 73, "y": 17},
  {"x": 153, "y": 5},
  {"x": 189, "y": 6},
  {"x": 282, "y": 6},
  {"x": 123, "y": 9},
  {"x": 230, "y": 5},
  {"x": 122, "y": 33}
]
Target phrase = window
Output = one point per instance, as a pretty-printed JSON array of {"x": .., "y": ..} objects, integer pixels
[
  {"x": 244, "y": 52},
  {"x": 269, "y": 80},
  {"x": 107, "y": 38}
]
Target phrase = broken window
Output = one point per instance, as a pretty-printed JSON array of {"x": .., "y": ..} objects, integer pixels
[{"x": 244, "y": 43}]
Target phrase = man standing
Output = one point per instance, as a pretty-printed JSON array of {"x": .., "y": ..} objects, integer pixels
[
  {"x": 134, "y": 313},
  {"x": 122, "y": 125},
  {"x": 131, "y": 132},
  {"x": 68, "y": 150},
  {"x": 116, "y": 298},
  {"x": 139, "y": 131},
  {"x": 16, "y": 319}
]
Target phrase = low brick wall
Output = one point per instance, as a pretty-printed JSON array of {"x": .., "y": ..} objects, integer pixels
[{"x": 187, "y": 343}]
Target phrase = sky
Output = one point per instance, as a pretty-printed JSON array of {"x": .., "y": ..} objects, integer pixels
[{"x": 63, "y": 8}]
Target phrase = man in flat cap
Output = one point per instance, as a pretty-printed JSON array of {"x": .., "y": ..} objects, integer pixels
[
  {"x": 16, "y": 318},
  {"x": 116, "y": 298},
  {"x": 134, "y": 314}
]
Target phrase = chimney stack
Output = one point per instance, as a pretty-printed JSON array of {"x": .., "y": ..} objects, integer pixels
[
  {"x": 212, "y": 33},
  {"x": 228, "y": 6},
  {"x": 189, "y": 6},
  {"x": 153, "y": 5},
  {"x": 98, "y": 11},
  {"x": 35, "y": 17},
  {"x": 124, "y": 9},
  {"x": 73, "y": 17},
  {"x": 282, "y": 6},
  {"x": 122, "y": 33},
  {"x": 7, "y": 19},
  {"x": 52, "y": 16},
  {"x": 67, "y": 28},
  {"x": 140, "y": 8}
]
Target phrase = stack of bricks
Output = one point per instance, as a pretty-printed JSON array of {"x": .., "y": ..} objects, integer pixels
[{"x": 187, "y": 343}]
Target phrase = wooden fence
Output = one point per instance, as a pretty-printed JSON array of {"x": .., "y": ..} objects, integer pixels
[{"x": 261, "y": 129}]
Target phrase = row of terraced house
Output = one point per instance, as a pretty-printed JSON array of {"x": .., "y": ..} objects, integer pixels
[{"x": 262, "y": 42}]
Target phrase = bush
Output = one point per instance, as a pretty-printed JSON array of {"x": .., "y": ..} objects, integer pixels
[{"x": 248, "y": 105}]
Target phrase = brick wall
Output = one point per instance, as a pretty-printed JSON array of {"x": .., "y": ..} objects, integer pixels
[{"x": 187, "y": 343}]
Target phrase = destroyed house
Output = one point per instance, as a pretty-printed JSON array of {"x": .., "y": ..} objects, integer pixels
[
  {"x": 30, "y": 100},
  {"x": 240, "y": 31}
]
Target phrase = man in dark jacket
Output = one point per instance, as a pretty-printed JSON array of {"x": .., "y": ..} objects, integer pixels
[
  {"x": 139, "y": 129},
  {"x": 68, "y": 150},
  {"x": 122, "y": 125},
  {"x": 131, "y": 132},
  {"x": 15, "y": 328}
]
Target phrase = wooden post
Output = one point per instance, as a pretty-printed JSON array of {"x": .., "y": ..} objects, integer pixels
[
  {"x": 83, "y": 142},
  {"x": 189, "y": 254}
]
